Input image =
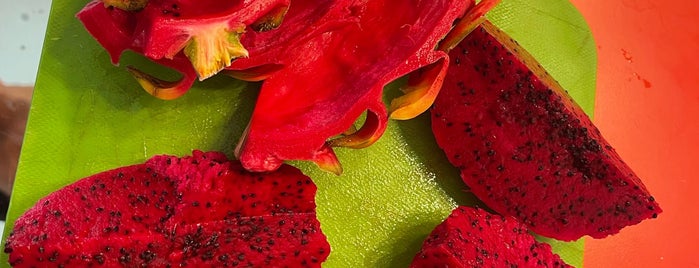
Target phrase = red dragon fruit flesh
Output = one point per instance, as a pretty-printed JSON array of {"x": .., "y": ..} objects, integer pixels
[
  {"x": 526, "y": 149},
  {"x": 198, "y": 211},
  {"x": 473, "y": 237}
]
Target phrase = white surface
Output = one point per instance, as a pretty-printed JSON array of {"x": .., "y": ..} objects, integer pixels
[{"x": 22, "y": 28}]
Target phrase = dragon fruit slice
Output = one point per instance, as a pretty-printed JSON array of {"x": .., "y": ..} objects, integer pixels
[
  {"x": 472, "y": 237},
  {"x": 317, "y": 96},
  {"x": 206, "y": 33},
  {"x": 201, "y": 210},
  {"x": 526, "y": 149}
]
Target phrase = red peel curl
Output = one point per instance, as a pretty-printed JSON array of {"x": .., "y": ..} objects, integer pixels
[
  {"x": 420, "y": 92},
  {"x": 370, "y": 132},
  {"x": 162, "y": 89}
]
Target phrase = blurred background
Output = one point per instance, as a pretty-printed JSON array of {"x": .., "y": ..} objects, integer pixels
[{"x": 22, "y": 27}]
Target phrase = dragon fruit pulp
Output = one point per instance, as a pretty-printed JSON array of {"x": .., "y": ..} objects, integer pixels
[
  {"x": 330, "y": 79},
  {"x": 526, "y": 149},
  {"x": 195, "y": 38},
  {"x": 197, "y": 211},
  {"x": 473, "y": 237}
]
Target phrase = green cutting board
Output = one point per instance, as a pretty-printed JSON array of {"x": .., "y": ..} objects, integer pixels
[{"x": 89, "y": 116}]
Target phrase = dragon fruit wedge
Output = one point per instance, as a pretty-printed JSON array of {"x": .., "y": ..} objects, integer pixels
[
  {"x": 472, "y": 237},
  {"x": 526, "y": 149},
  {"x": 198, "y": 211}
]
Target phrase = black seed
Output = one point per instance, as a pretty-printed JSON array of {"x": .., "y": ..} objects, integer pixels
[
  {"x": 223, "y": 258},
  {"x": 147, "y": 256},
  {"x": 99, "y": 258}
]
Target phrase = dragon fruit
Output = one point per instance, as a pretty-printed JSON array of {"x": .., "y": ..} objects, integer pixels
[
  {"x": 195, "y": 38},
  {"x": 315, "y": 97},
  {"x": 201, "y": 210},
  {"x": 526, "y": 149},
  {"x": 472, "y": 237}
]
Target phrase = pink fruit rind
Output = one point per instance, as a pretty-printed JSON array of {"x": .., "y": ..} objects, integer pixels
[
  {"x": 305, "y": 20},
  {"x": 198, "y": 210},
  {"x": 319, "y": 95},
  {"x": 324, "y": 66},
  {"x": 473, "y": 237},
  {"x": 526, "y": 149}
]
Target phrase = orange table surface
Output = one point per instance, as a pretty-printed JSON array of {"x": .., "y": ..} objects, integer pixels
[{"x": 647, "y": 106}]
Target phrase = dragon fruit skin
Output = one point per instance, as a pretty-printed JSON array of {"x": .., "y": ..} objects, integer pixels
[
  {"x": 526, "y": 149},
  {"x": 195, "y": 38},
  {"x": 331, "y": 79},
  {"x": 198, "y": 210},
  {"x": 302, "y": 22},
  {"x": 472, "y": 237},
  {"x": 324, "y": 65}
]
